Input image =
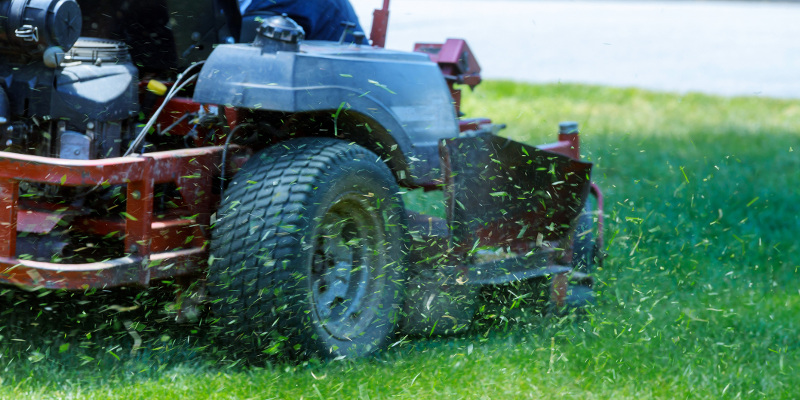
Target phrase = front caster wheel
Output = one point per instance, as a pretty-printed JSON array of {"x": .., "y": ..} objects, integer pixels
[{"x": 574, "y": 291}]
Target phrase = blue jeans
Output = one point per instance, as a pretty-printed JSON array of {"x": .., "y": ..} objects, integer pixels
[{"x": 320, "y": 19}]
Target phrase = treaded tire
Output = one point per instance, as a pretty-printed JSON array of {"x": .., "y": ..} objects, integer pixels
[{"x": 307, "y": 254}]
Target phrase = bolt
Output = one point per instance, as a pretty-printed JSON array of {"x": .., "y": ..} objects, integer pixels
[
  {"x": 359, "y": 37},
  {"x": 90, "y": 125},
  {"x": 136, "y": 195},
  {"x": 77, "y": 152},
  {"x": 9, "y": 142}
]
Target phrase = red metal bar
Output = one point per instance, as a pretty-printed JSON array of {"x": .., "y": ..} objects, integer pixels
[
  {"x": 380, "y": 23},
  {"x": 23, "y": 167},
  {"x": 193, "y": 177},
  {"x": 189, "y": 169},
  {"x": 165, "y": 235},
  {"x": 112, "y": 171},
  {"x": 111, "y": 273},
  {"x": 9, "y": 195},
  {"x": 139, "y": 212},
  {"x": 35, "y": 221},
  {"x": 177, "y": 233}
]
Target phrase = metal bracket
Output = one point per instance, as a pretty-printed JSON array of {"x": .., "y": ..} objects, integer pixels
[{"x": 28, "y": 33}]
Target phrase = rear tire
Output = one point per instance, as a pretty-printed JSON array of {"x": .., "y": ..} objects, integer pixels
[{"x": 308, "y": 251}]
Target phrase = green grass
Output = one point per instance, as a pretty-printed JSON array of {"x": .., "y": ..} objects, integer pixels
[{"x": 699, "y": 297}]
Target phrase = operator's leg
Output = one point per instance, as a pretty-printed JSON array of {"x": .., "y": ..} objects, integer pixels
[{"x": 321, "y": 19}]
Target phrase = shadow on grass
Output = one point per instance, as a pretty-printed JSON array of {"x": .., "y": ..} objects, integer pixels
[
  {"x": 122, "y": 332},
  {"x": 69, "y": 331}
]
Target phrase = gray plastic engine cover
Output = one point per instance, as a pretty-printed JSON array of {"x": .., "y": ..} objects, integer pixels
[{"x": 404, "y": 92}]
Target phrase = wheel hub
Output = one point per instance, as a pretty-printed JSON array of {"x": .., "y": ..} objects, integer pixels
[{"x": 346, "y": 254}]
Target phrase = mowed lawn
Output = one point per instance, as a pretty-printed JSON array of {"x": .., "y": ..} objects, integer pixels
[{"x": 699, "y": 296}]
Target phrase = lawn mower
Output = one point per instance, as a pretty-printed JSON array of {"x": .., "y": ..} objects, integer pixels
[{"x": 276, "y": 179}]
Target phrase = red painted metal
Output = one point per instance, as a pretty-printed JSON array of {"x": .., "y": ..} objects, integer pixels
[
  {"x": 173, "y": 111},
  {"x": 175, "y": 234},
  {"x": 123, "y": 271},
  {"x": 139, "y": 211},
  {"x": 168, "y": 234},
  {"x": 34, "y": 221},
  {"x": 472, "y": 124},
  {"x": 458, "y": 65},
  {"x": 380, "y": 22},
  {"x": 9, "y": 194},
  {"x": 234, "y": 117},
  {"x": 455, "y": 59},
  {"x": 569, "y": 146},
  {"x": 154, "y": 248}
]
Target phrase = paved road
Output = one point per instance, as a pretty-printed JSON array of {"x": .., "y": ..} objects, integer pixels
[{"x": 728, "y": 48}]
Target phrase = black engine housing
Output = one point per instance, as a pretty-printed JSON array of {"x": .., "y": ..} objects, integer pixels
[{"x": 83, "y": 109}]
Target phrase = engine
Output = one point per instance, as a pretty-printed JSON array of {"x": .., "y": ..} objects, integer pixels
[
  {"x": 62, "y": 95},
  {"x": 71, "y": 97}
]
